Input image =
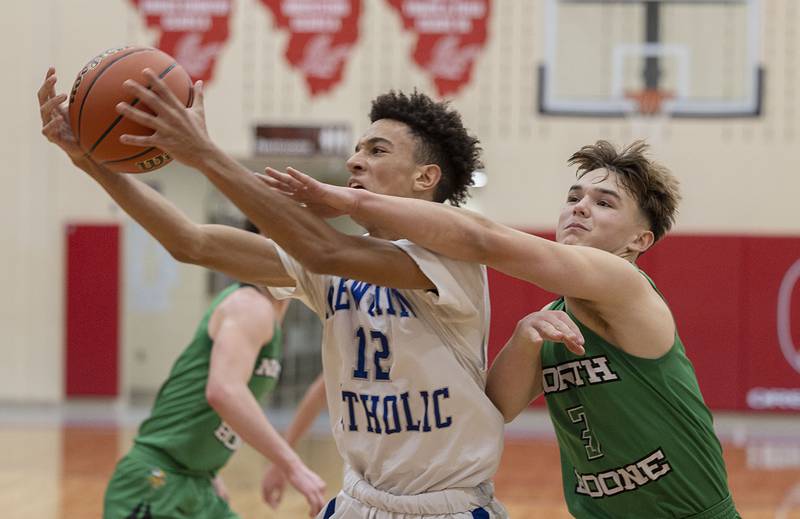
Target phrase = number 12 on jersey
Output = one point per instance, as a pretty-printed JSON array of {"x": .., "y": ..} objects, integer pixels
[{"x": 380, "y": 357}]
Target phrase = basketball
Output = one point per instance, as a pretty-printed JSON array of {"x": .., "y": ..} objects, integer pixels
[{"x": 97, "y": 90}]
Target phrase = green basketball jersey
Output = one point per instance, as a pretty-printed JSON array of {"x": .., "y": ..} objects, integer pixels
[
  {"x": 182, "y": 424},
  {"x": 635, "y": 435}
]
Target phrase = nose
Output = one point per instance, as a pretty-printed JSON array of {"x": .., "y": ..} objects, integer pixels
[
  {"x": 355, "y": 163},
  {"x": 581, "y": 207}
]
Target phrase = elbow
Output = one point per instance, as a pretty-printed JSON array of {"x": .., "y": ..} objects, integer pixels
[
  {"x": 218, "y": 395},
  {"x": 480, "y": 238},
  {"x": 322, "y": 260},
  {"x": 184, "y": 254},
  {"x": 190, "y": 249}
]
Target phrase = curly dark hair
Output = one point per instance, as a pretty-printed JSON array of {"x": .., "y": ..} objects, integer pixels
[{"x": 441, "y": 139}]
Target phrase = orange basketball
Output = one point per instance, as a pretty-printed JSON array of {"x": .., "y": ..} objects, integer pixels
[{"x": 97, "y": 90}]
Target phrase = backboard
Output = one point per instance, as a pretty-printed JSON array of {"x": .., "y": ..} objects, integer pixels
[{"x": 683, "y": 58}]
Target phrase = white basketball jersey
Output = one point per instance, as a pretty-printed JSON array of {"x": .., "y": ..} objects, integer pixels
[{"x": 405, "y": 374}]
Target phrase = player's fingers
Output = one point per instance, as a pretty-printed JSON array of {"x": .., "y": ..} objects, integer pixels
[
  {"x": 143, "y": 118},
  {"x": 532, "y": 334},
  {"x": 158, "y": 86},
  {"x": 146, "y": 96},
  {"x": 47, "y": 85},
  {"x": 199, "y": 103},
  {"x": 46, "y": 110},
  {"x": 570, "y": 325},
  {"x": 286, "y": 179},
  {"x": 300, "y": 178},
  {"x": 143, "y": 141},
  {"x": 549, "y": 331},
  {"x": 275, "y": 184}
]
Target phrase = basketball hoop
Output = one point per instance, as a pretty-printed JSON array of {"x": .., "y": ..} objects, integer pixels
[
  {"x": 649, "y": 121},
  {"x": 649, "y": 100}
]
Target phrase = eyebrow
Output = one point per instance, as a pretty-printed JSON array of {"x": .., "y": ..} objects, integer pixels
[
  {"x": 373, "y": 141},
  {"x": 609, "y": 192}
]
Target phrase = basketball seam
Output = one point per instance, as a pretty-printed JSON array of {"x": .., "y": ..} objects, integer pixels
[
  {"x": 94, "y": 80},
  {"x": 133, "y": 103}
]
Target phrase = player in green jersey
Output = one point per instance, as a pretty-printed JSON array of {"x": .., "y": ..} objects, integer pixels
[
  {"x": 206, "y": 407},
  {"x": 636, "y": 438}
]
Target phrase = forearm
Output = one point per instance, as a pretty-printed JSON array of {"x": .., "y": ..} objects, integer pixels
[
  {"x": 307, "y": 411},
  {"x": 165, "y": 222},
  {"x": 515, "y": 378},
  {"x": 304, "y": 236},
  {"x": 240, "y": 410},
  {"x": 454, "y": 232}
]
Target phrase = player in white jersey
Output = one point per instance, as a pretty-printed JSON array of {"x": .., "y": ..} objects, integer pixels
[{"x": 405, "y": 366}]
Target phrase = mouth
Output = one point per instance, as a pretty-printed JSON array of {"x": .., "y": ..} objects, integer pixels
[
  {"x": 354, "y": 185},
  {"x": 576, "y": 226}
]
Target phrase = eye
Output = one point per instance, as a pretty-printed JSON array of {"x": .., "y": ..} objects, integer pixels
[
  {"x": 571, "y": 199},
  {"x": 378, "y": 150},
  {"x": 603, "y": 203}
]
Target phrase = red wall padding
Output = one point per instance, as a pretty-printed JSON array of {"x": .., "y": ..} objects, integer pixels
[
  {"x": 92, "y": 310},
  {"x": 724, "y": 293}
]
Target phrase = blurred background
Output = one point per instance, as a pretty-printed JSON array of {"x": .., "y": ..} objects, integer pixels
[{"x": 96, "y": 311}]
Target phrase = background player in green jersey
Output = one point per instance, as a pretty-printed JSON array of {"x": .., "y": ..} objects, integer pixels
[
  {"x": 208, "y": 403},
  {"x": 635, "y": 436}
]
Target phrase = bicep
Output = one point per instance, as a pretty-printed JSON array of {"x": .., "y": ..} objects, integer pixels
[
  {"x": 568, "y": 270},
  {"x": 242, "y": 255}
]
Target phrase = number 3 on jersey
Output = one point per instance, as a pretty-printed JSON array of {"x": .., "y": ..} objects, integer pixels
[
  {"x": 382, "y": 353},
  {"x": 590, "y": 443}
]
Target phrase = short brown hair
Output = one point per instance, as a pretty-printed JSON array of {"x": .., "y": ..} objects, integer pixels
[{"x": 652, "y": 185}]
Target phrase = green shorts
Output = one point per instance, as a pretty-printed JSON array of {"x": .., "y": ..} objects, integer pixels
[{"x": 146, "y": 485}]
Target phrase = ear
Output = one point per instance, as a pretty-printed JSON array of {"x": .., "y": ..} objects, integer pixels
[
  {"x": 426, "y": 178},
  {"x": 643, "y": 241}
]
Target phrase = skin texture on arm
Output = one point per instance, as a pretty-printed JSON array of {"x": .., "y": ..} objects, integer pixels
[
  {"x": 239, "y": 327},
  {"x": 464, "y": 235},
  {"x": 242, "y": 255},
  {"x": 307, "y": 238},
  {"x": 515, "y": 378},
  {"x": 603, "y": 289},
  {"x": 273, "y": 483}
]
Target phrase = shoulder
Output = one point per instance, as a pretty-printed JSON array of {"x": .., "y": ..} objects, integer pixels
[{"x": 246, "y": 306}]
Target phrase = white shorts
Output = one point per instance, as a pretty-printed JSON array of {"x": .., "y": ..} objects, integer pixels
[{"x": 359, "y": 500}]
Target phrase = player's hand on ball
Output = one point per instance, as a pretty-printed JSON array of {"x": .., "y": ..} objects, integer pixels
[
  {"x": 53, "y": 111},
  {"x": 273, "y": 484},
  {"x": 550, "y": 325},
  {"x": 180, "y": 131},
  {"x": 310, "y": 485},
  {"x": 325, "y": 200}
]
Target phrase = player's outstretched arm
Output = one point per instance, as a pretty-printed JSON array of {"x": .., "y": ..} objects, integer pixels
[
  {"x": 572, "y": 271},
  {"x": 181, "y": 132},
  {"x": 240, "y": 254},
  {"x": 239, "y": 327},
  {"x": 515, "y": 378},
  {"x": 274, "y": 481}
]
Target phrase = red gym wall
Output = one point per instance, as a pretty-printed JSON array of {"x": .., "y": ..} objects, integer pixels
[
  {"x": 736, "y": 300},
  {"x": 92, "y": 310}
]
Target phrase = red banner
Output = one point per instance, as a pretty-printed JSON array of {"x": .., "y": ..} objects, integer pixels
[
  {"x": 193, "y": 32},
  {"x": 323, "y": 33},
  {"x": 450, "y": 36}
]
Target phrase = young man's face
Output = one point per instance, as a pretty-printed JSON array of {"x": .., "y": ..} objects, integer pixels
[
  {"x": 599, "y": 212},
  {"x": 384, "y": 160}
]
